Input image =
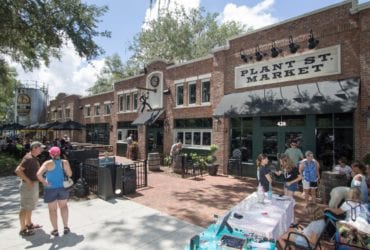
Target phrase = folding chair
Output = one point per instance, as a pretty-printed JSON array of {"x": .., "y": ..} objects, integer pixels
[{"x": 290, "y": 243}]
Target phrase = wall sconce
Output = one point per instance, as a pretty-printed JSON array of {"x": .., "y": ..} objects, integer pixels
[
  {"x": 80, "y": 107},
  {"x": 259, "y": 55},
  {"x": 275, "y": 50},
  {"x": 244, "y": 57},
  {"x": 167, "y": 91},
  {"x": 293, "y": 47},
  {"x": 312, "y": 41},
  {"x": 111, "y": 127}
]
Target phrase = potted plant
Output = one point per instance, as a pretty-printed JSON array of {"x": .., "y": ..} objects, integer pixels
[{"x": 211, "y": 159}]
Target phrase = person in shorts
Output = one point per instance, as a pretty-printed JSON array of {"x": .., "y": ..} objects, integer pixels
[
  {"x": 291, "y": 175},
  {"x": 29, "y": 188},
  {"x": 55, "y": 195},
  {"x": 309, "y": 169}
]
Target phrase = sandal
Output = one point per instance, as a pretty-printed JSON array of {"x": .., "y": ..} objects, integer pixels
[
  {"x": 26, "y": 232},
  {"x": 33, "y": 226},
  {"x": 54, "y": 232},
  {"x": 66, "y": 230}
]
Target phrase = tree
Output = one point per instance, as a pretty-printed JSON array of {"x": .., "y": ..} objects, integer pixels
[
  {"x": 110, "y": 73},
  {"x": 8, "y": 84},
  {"x": 180, "y": 36},
  {"x": 32, "y": 31}
]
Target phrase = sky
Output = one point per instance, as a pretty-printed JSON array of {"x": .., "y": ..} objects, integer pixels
[{"x": 125, "y": 19}]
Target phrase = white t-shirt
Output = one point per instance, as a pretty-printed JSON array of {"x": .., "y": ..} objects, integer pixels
[
  {"x": 346, "y": 170},
  {"x": 354, "y": 210}
]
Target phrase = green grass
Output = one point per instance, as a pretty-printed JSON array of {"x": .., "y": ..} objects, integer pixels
[{"x": 7, "y": 164}]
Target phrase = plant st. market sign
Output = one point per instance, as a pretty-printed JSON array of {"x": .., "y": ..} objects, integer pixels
[{"x": 321, "y": 62}]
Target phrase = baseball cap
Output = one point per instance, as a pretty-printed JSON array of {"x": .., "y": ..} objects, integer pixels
[
  {"x": 36, "y": 144},
  {"x": 54, "y": 151}
]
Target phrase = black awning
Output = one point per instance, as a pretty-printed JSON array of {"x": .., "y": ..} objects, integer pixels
[
  {"x": 310, "y": 98},
  {"x": 148, "y": 117}
]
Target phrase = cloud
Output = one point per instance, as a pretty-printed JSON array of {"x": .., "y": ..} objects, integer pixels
[
  {"x": 71, "y": 74},
  {"x": 254, "y": 17}
]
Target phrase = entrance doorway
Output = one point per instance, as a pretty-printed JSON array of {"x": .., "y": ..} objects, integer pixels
[{"x": 155, "y": 138}]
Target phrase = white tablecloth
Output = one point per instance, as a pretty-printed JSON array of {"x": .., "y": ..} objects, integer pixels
[{"x": 270, "y": 219}]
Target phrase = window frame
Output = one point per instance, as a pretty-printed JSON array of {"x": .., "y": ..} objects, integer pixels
[
  {"x": 204, "y": 81},
  {"x": 177, "y": 95},
  {"x": 191, "y": 84}
]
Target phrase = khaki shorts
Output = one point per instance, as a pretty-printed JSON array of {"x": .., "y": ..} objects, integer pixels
[{"x": 29, "y": 196}]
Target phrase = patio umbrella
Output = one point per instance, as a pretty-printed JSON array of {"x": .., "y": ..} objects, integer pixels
[
  {"x": 69, "y": 125},
  {"x": 49, "y": 125}
]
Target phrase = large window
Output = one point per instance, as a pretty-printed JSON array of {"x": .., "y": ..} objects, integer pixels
[
  {"x": 97, "y": 109},
  {"x": 194, "y": 132},
  {"x": 87, "y": 111},
  {"x": 180, "y": 95},
  {"x": 68, "y": 113},
  {"x": 192, "y": 93},
  {"x": 128, "y": 102},
  {"x": 206, "y": 91},
  {"x": 121, "y": 102},
  {"x": 97, "y": 133},
  {"x": 334, "y": 138},
  {"x": 124, "y": 129},
  {"x": 135, "y": 101},
  {"x": 241, "y": 136},
  {"x": 107, "y": 108}
]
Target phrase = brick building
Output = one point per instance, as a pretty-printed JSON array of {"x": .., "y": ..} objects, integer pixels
[{"x": 306, "y": 78}]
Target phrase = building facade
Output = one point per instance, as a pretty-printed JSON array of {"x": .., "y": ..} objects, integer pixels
[{"x": 306, "y": 79}]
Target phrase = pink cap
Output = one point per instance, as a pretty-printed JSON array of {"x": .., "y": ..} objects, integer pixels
[{"x": 54, "y": 151}]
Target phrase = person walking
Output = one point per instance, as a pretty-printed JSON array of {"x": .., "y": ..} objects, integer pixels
[
  {"x": 55, "y": 195},
  {"x": 29, "y": 188},
  {"x": 309, "y": 169},
  {"x": 294, "y": 153},
  {"x": 175, "y": 150}
]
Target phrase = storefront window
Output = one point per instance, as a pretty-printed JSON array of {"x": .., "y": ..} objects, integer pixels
[
  {"x": 197, "y": 138},
  {"x": 337, "y": 139},
  {"x": 241, "y": 137},
  {"x": 97, "y": 133},
  {"x": 206, "y": 138}
]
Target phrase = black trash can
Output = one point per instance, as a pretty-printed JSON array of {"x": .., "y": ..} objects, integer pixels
[{"x": 125, "y": 179}]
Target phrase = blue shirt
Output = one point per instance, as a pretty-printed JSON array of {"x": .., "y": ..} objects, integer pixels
[
  {"x": 55, "y": 177},
  {"x": 309, "y": 171}
]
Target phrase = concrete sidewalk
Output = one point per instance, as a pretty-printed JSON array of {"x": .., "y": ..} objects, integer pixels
[{"x": 95, "y": 224}]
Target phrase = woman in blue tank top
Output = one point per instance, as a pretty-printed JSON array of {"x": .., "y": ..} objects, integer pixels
[
  {"x": 55, "y": 195},
  {"x": 309, "y": 169}
]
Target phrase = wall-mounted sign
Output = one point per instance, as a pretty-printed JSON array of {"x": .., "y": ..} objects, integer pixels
[
  {"x": 310, "y": 64},
  {"x": 23, "y": 104}
]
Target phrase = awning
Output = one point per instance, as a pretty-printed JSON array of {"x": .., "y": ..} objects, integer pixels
[
  {"x": 310, "y": 98},
  {"x": 148, "y": 117}
]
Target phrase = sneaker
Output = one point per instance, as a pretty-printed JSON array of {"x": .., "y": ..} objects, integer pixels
[{"x": 26, "y": 232}]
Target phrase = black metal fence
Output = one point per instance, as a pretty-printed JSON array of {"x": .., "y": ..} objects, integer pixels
[{"x": 105, "y": 180}]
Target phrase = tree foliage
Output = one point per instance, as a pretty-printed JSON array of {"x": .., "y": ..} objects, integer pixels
[
  {"x": 111, "y": 72},
  {"x": 32, "y": 31},
  {"x": 8, "y": 84},
  {"x": 180, "y": 36},
  {"x": 175, "y": 36}
]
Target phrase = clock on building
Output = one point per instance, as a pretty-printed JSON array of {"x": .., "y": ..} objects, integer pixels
[{"x": 154, "y": 81}]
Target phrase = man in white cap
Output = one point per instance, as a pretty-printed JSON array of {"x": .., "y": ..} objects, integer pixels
[{"x": 29, "y": 188}]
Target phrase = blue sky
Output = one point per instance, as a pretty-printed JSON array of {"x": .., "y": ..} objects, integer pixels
[{"x": 125, "y": 18}]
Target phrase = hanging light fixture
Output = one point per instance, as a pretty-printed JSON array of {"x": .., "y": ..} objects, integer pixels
[
  {"x": 293, "y": 47},
  {"x": 258, "y": 54},
  {"x": 243, "y": 56},
  {"x": 312, "y": 41},
  {"x": 275, "y": 50}
]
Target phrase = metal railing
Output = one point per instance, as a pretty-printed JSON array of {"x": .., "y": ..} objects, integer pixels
[{"x": 95, "y": 179}]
